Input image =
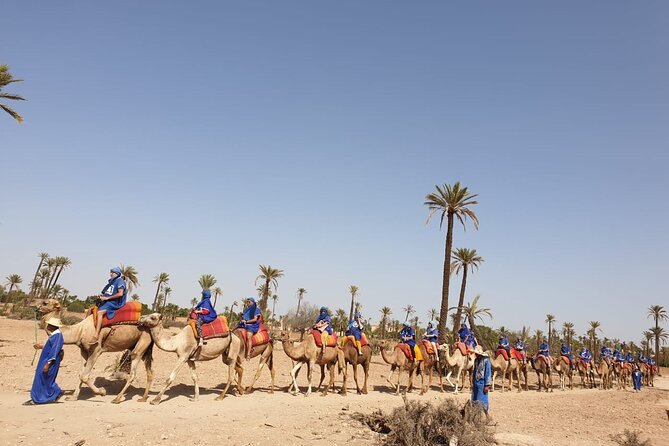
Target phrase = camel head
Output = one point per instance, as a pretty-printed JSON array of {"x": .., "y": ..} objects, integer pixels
[
  {"x": 151, "y": 320},
  {"x": 48, "y": 306},
  {"x": 284, "y": 336}
]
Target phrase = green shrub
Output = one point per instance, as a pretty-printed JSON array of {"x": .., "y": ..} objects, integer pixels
[
  {"x": 77, "y": 307},
  {"x": 70, "y": 320},
  {"x": 630, "y": 438}
]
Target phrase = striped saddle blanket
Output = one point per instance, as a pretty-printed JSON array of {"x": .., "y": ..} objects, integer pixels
[
  {"x": 351, "y": 339},
  {"x": 128, "y": 314},
  {"x": 260, "y": 338},
  {"x": 406, "y": 349},
  {"x": 216, "y": 329},
  {"x": 318, "y": 337}
]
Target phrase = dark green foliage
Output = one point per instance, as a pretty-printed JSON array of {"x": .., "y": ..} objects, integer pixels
[{"x": 630, "y": 438}]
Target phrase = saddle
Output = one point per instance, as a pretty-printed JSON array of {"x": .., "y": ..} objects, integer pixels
[
  {"x": 331, "y": 339},
  {"x": 406, "y": 349},
  {"x": 215, "y": 329},
  {"x": 546, "y": 360},
  {"x": 586, "y": 364},
  {"x": 501, "y": 351},
  {"x": 128, "y": 314},
  {"x": 260, "y": 338},
  {"x": 428, "y": 347},
  {"x": 462, "y": 347},
  {"x": 351, "y": 339},
  {"x": 565, "y": 359},
  {"x": 517, "y": 354}
]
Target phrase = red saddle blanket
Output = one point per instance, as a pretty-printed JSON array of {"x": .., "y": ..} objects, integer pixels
[
  {"x": 128, "y": 314},
  {"x": 351, "y": 339},
  {"x": 501, "y": 351},
  {"x": 462, "y": 347},
  {"x": 406, "y": 349},
  {"x": 517, "y": 354},
  {"x": 332, "y": 339},
  {"x": 428, "y": 347},
  {"x": 566, "y": 360},
  {"x": 586, "y": 364},
  {"x": 548, "y": 360},
  {"x": 260, "y": 338},
  {"x": 216, "y": 329}
]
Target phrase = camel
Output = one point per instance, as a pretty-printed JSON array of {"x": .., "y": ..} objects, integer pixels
[
  {"x": 603, "y": 369},
  {"x": 266, "y": 354},
  {"x": 117, "y": 338},
  {"x": 623, "y": 373},
  {"x": 564, "y": 372},
  {"x": 398, "y": 361},
  {"x": 352, "y": 357},
  {"x": 586, "y": 373},
  {"x": 185, "y": 345},
  {"x": 543, "y": 369},
  {"x": 501, "y": 365},
  {"x": 307, "y": 352},
  {"x": 648, "y": 374},
  {"x": 458, "y": 362},
  {"x": 428, "y": 365}
]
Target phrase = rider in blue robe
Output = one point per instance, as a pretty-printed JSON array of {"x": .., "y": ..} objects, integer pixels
[
  {"x": 112, "y": 298},
  {"x": 431, "y": 335},
  {"x": 355, "y": 328},
  {"x": 205, "y": 314},
  {"x": 250, "y": 322},
  {"x": 408, "y": 336},
  {"x": 504, "y": 344},
  {"x": 566, "y": 351},
  {"x": 324, "y": 317},
  {"x": 521, "y": 348},
  {"x": 44, "y": 388}
]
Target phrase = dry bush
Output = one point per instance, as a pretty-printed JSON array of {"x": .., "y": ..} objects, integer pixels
[
  {"x": 70, "y": 320},
  {"x": 630, "y": 438},
  {"x": 177, "y": 324},
  {"x": 419, "y": 423}
]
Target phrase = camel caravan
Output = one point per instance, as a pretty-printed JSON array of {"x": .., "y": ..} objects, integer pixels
[{"x": 212, "y": 338}]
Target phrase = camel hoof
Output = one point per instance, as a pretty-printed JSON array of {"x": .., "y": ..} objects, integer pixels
[
  {"x": 221, "y": 397},
  {"x": 116, "y": 401},
  {"x": 155, "y": 401},
  {"x": 192, "y": 400},
  {"x": 70, "y": 398},
  {"x": 143, "y": 400},
  {"x": 364, "y": 391},
  {"x": 102, "y": 392}
]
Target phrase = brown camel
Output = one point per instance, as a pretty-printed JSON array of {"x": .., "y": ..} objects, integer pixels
[
  {"x": 457, "y": 362},
  {"x": 541, "y": 365},
  {"x": 266, "y": 354},
  {"x": 117, "y": 338},
  {"x": 352, "y": 357},
  {"x": 624, "y": 373},
  {"x": 564, "y": 372},
  {"x": 185, "y": 345},
  {"x": 648, "y": 374},
  {"x": 502, "y": 366},
  {"x": 428, "y": 365},
  {"x": 603, "y": 370},
  {"x": 398, "y": 361},
  {"x": 307, "y": 352},
  {"x": 587, "y": 374}
]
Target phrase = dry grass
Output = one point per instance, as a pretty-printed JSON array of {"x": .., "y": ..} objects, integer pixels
[
  {"x": 419, "y": 423},
  {"x": 630, "y": 438}
]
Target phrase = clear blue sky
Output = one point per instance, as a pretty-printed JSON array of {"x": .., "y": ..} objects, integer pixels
[{"x": 211, "y": 137}]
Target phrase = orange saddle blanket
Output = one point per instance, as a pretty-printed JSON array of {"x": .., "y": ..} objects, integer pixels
[
  {"x": 351, "y": 339},
  {"x": 331, "y": 339},
  {"x": 428, "y": 347},
  {"x": 260, "y": 338},
  {"x": 565, "y": 359},
  {"x": 128, "y": 314},
  {"x": 501, "y": 351},
  {"x": 406, "y": 349},
  {"x": 516, "y": 354},
  {"x": 462, "y": 347},
  {"x": 216, "y": 329}
]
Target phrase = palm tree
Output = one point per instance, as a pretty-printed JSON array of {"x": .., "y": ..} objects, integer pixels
[
  {"x": 539, "y": 336},
  {"x": 135, "y": 297},
  {"x": 167, "y": 291},
  {"x": 129, "y": 274},
  {"x": 433, "y": 314},
  {"x": 13, "y": 280},
  {"x": 660, "y": 337},
  {"x": 647, "y": 337},
  {"x": 451, "y": 202},
  {"x": 385, "y": 314},
  {"x": 658, "y": 313},
  {"x": 300, "y": 296},
  {"x": 43, "y": 256},
  {"x": 270, "y": 276},
  {"x": 464, "y": 260},
  {"x": 61, "y": 263},
  {"x": 275, "y": 299},
  {"x": 5, "y": 79},
  {"x": 472, "y": 312},
  {"x": 207, "y": 281},
  {"x": 193, "y": 302},
  {"x": 550, "y": 320},
  {"x": 354, "y": 292},
  {"x": 160, "y": 280},
  {"x": 568, "y": 331},
  {"x": 217, "y": 292},
  {"x": 415, "y": 324},
  {"x": 51, "y": 266},
  {"x": 594, "y": 327},
  {"x": 409, "y": 310},
  {"x": 232, "y": 309}
]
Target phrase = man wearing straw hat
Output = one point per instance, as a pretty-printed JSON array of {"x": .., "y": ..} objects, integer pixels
[
  {"x": 481, "y": 379},
  {"x": 44, "y": 389}
]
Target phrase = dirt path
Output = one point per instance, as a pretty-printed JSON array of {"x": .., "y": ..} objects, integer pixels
[{"x": 579, "y": 417}]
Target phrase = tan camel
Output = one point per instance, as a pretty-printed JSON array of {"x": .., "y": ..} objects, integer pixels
[
  {"x": 586, "y": 373},
  {"x": 623, "y": 373},
  {"x": 117, "y": 338},
  {"x": 457, "y": 362},
  {"x": 427, "y": 366},
  {"x": 185, "y": 345},
  {"x": 398, "y": 361},
  {"x": 352, "y": 357},
  {"x": 542, "y": 367},
  {"x": 307, "y": 352},
  {"x": 266, "y": 354},
  {"x": 603, "y": 370},
  {"x": 502, "y": 366},
  {"x": 648, "y": 374},
  {"x": 564, "y": 372}
]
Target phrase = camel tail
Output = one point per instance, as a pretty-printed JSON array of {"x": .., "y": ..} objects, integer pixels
[{"x": 148, "y": 356}]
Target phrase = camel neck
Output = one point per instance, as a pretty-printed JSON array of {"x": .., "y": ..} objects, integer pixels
[
  {"x": 163, "y": 340},
  {"x": 289, "y": 349}
]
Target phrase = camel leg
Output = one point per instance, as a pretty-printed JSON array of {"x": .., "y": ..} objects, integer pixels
[
  {"x": 320, "y": 383},
  {"x": 365, "y": 369},
  {"x": 193, "y": 375},
  {"x": 229, "y": 361},
  {"x": 239, "y": 369},
  {"x": 261, "y": 364},
  {"x": 294, "y": 389},
  {"x": 355, "y": 378},
  {"x": 457, "y": 379},
  {"x": 310, "y": 372},
  {"x": 135, "y": 358},
  {"x": 399, "y": 377},
  {"x": 331, "y": 368},
  {"x": 86, "y": 373},
  {"x": 343, "y": 385},
  {"x": 494, "y": 377},
  {"x": 389, "y": 378},
  {"x": 84, "y": 358},
  {"x": 149, "y": 380},
  {"x": 170, "y": 379},
  {"x": 448, "y": 378}
]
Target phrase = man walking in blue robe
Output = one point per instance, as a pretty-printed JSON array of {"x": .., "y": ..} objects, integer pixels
[
  {"x": 481, "y": 380},
  {"x": 44, "y": 389}
]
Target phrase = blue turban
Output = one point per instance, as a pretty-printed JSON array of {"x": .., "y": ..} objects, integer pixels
[
  {"x": 206, "y": 294},
  {"x": 116, "y": 270},
  {"x": 324, "y": 309},
  {"x": 250, "y": 299},
  {"x": 357, "y": 314}
]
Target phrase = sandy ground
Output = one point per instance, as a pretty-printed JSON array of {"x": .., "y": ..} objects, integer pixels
[{"x": 578, "y": 417}]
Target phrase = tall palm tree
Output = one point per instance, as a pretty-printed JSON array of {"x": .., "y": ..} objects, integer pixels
[
  {"x": 61, "y": 263},
  {"x": 660, "y": 337},
  {"x": 568, "y": 331},
  {"x": 270, "y": 276},
  {"x": 275, "y": 299},
  {"x": 160, "y": 280},
  {"x": 43, "y": 256},
  {"x": 6, "y": 78},
  {"x": 658, "y": 313},
  {"x": 385, "y": 314},
  {"x": 13, "y": 280},
  {"x": 451, "y": 201},
  {"x": 409, "y": 310},
  {"x": 472, "y": 312},
  {"x": 464, "y": 259},
  {"x": 207, "y": 281},
  {"x": 550, "y": 320},
  {"x": 217, "y": 292},
  {"x": 300, "y": 295},
  {"x": 340, "y": 316},
  {"x": 433, "y": 314},
  {"x": 594, "y": 328},
  {"x": 647, "y": 338},
  {"x": 167, "y": 292},
  {"x": 232, "y": 309},
  {"x": 539, "y": 336},
  {"x": 51, "y": 266},
  {"x": 354, "y": 292},
  {"x": 129, "y": 274}
]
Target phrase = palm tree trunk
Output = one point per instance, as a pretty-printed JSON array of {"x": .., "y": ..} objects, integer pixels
[
  {"x": 155, "y": 299},
  {"x": 475, "y": 330},
  {"x": 33, "y": 284},
  {"x": 461, "y": 302},
  {"x": 383, "y": 328},
  {"x": 273, "y": 306},
  {"x": 297, "y": 313},
  {"x": 350, "y": 313},
  {"x": 56, "y": 279},
  {"x": 657, "y": 347},
  {"x": 443, "y": 313}
]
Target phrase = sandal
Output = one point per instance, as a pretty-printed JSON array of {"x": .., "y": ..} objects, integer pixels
[{"x": 29, "y": 403}]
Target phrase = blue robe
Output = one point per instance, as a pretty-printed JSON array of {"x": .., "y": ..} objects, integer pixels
[
  {"x": 205, "y": 304},
  {"x": 355, "y": 330},
  {"x": 407, "y": 332},
  {"x": 113, "y": 287},
  {"x": 481, "y": 378},
  {"x": 45, "y": 389},
  {"x": 325, "y": 317},
  {"x": 431, "y": 334},
  {"x": 636, "y": 378},
  {"x": 249, "y": 314}
]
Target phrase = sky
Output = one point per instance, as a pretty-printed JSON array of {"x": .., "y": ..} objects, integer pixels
[{"x": 212, "y": 137}]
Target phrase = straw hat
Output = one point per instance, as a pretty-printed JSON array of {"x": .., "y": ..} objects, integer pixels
[
  {"x": 54, "y": 321},
  {"x": 479, "y": 351}
]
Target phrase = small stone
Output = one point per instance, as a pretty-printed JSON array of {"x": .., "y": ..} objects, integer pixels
[{"x": 164, "y": 437}]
